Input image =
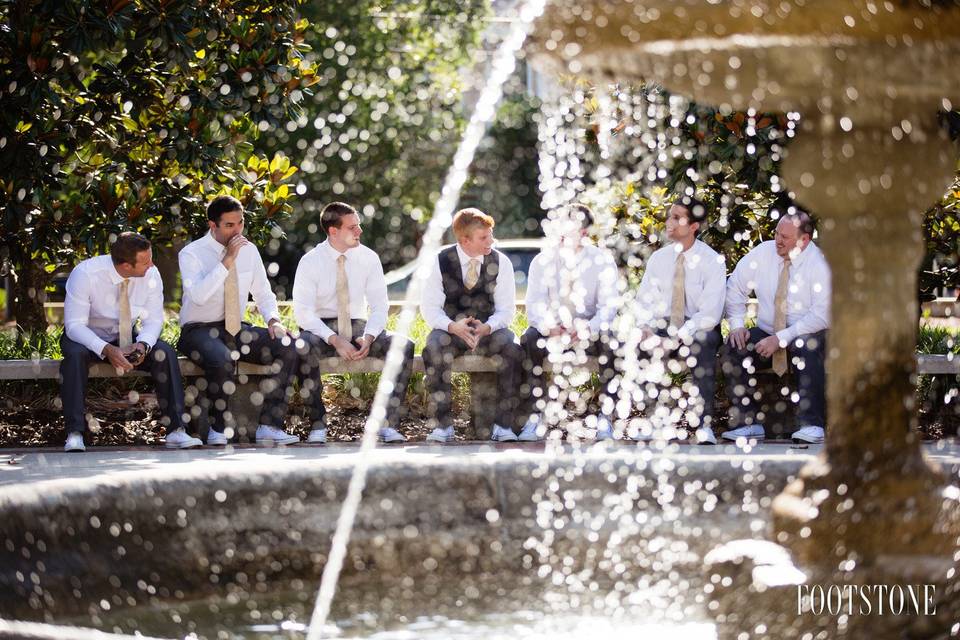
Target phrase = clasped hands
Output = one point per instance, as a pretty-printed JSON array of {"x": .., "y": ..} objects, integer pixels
[
  {"x": 765, "y": 348},
  {"x": 346, "y": 348},
  {"x": 125, "y": 359},
  {"x": 470, "y": 330}
]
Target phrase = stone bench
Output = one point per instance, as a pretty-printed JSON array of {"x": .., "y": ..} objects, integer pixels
[
  {"x": 482, "y": 372},
  {"x": 244, "y": 402}
]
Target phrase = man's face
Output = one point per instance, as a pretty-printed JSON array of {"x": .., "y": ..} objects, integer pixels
[
  {"x": 679, "y": 228},
  {"x": 571, "y": 233},
  {"x": 788, "y": 238},
  {"x": 144, "y": 260},
  {"x": 230, "y": 225},
  {"x": 348, "y": 234},
  {"x": 477, "y": 242}
]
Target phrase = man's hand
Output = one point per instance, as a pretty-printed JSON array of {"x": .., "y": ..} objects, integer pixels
[
  {"x": 480, "y": 329},
  {"x": 117, "y": 358},
  {"x": 364, "y": 344},
  {"x": 768, "y": 346},
  {"x": 134, "y": 353},
  {"x": 345, "y": 348},
  {"x": 556, "y": 331},
  {"x": 739, "y": 338},
  {"x": 463, "y": 329},
  {"x": 233, "y": 248},
  {"x": 276, "y": 329}
]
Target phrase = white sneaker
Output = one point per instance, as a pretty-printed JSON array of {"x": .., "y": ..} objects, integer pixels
[
  {"x": 180, "y": 439},
  {"x": 751, "y": 431},
  {"x": 442, "y": 435},
  {"x": 272, "y": 435},
  {"x": 502, "y": 434},
  {"x": 74, "y": 442},
  {"x": 390, "y": 435},
  {"x": 317, "y": 436},
  {"x": 529, "y": 431},
  {"x": 705, "y": 435},
  {"x": 810, "y": 433},
  {"x": 216, "y": 439},
  {"x": 604, "y": 429}
]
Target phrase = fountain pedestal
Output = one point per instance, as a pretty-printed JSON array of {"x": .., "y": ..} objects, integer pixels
[{"x": 867, "y": 78}]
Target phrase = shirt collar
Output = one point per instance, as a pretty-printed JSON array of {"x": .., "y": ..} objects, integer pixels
[
  {"x": 213, "y": 244},
  {"x": 799, "y": 259},
  {"x": 333, "y": 252},
  {"x": 464, "y": 258},
  {"x": 115, "y": 277}
]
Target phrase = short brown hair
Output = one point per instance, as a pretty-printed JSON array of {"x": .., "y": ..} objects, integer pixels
[
  {"x": 466, "y": 220},
  {"x": 220, "y": 205},
  {"x": 126, "y": 247},
  {"x": 332, "y": 214}
]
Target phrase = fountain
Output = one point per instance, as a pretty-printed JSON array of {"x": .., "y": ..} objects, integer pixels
[
  {"x": 590, "y": 536},
  {"x": 868, "y": 78}
]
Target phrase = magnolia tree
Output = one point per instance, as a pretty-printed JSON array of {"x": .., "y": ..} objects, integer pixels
[
  {"x": 128, "y": 115},
  {"x": 385, "y": 116}
]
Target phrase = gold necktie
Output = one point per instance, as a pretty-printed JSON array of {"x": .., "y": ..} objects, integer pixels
[
  {"x": 126, "y": 322},
  {"x": 678, "y": 302},
  {"x": 473, "y": 273},
  {"x": 780, "y": 316},
  {"x": 231, "y": 301},
  {"x": 344, "y": 329}
]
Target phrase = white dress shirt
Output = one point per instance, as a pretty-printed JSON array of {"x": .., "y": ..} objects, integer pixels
[
  {"x": 504, "y": 295},
  {"x": 704, "y": 284},
  {"x": 808, "y": 292},
  {"x": 315, "y": 289},
  {"x": 203, "y": 278},
  {"x": 590, "y": 277},
  {"x": 91, "y": 312}
]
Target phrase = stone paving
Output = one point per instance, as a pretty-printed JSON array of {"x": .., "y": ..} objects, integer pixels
[{"x": 18, "y": 466}]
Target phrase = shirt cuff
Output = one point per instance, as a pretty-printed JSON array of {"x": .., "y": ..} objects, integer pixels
[
  {"x": 736, "y": 323},
  {"x": 148, "y": 340},
  {"x": 495, "y": 324},
  {"x": 442, "y": 323},
  {"x": 372, "y": 329},
  {"x": 97, "y": 348},
  {"x": 323, "y": 331},
  {"x": 786, "y": 335}
]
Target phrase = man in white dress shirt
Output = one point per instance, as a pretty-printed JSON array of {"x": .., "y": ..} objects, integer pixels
[
  {"x": 681, "y": 299},
  {"x": 335, "y": 282},
  {"x": 791, "y": 278},
  {"x": 219, "y": 272},
  {"x": 469, "y": 300},
  {"x": 106, "y": 295},
  {"x": 572, "y": 300}
]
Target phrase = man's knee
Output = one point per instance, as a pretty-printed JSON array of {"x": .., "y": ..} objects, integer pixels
[
  {"x": 437, "y": 342},
  {"x": 74, "y": 350},
  {"x": 163, "y": 352}
]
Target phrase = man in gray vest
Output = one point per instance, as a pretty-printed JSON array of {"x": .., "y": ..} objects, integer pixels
[{"x": 468, "y": 301}]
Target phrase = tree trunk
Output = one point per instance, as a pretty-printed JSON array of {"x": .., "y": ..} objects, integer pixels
[{"x": 28, "y": 294}]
